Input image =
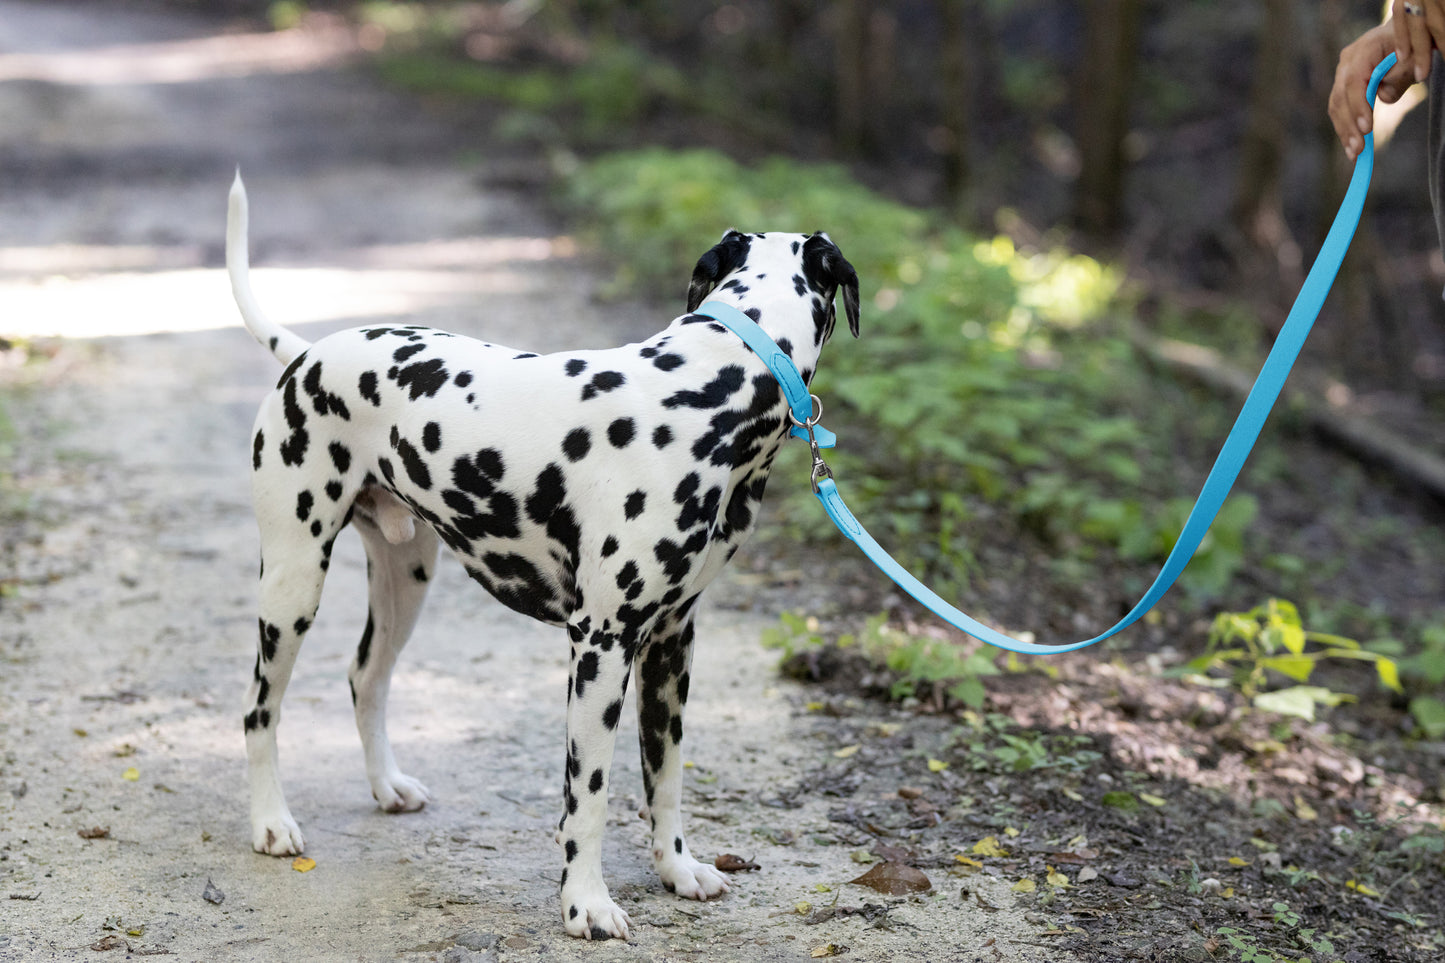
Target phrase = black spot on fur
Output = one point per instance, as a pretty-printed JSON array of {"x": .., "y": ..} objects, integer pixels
[
  {"x": 340, "y": 456},
  {"x": 612, "y": 714},
  {"x": 661, "y": 437},
  {"x": 322, "y": 400},
  {"x": 334, "y": 490},
  {"x": 270, "y": 638},
  {"x": 256, "y": 444},
  {"x": 621, "y": 432},
  {"x": 302, "y": 624},
  {"x": 431, "y": 436},
  {"x": 419, "y": 573},
  {"x": 714, "y": 394},
  {"x": 609, "y": 547},
  {"x": 577, "y": 444},
  {"x": 293, "y": 449},
  {"x": 462, "y": 379},
  {"x": 547, "y": 494},
  {"x": 636, "y": 502},
  {"x": 668, "y": 362},
  {"x": 575, "y": 367},
  {"x": 411, "y": 460},
  {"x": 594, "y": 784},
  {"x": 366, "y": 384},
  {"x": 571, "y": 855},
  {"x": 363, "y": 651},
  {"x": 677, "y": 845},
  {"x": 406, "y": 351},
  {"x": 603, "y": 382},
  {"x": 304, "y": 501},
  {"x": 586, "y": 672},
  {"x": 423, "y": 377}
]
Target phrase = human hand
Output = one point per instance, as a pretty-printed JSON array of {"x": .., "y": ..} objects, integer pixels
[
  {"x": 1350, "y": 112},
  {"x": 1419, "y": 28}
]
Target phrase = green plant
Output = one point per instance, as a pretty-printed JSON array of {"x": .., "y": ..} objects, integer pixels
[
  {"x": 994, "y": 743},
  {"x": 1288, "y": 925},
  {"x": 1272, "y": 639},
  {"x": 921, "y": 665}
]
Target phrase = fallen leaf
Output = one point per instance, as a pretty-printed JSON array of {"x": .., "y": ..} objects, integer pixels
[
  {"x": 1238, "y": 861},
  {"x": 1024, "y": 886},
  {"x": 814, "y": 706},
  {"x": 1153, "y": 800},
  {"x": 846, "y": 751},
  {"x": 1010, "y": 832},
  {"x": 802, "y": 907},
  {"x": 828, "y": 949},
  {"x": 1304, "y": 810},
  {"x": 862, "y": 856},
  {"x": 1120, "y": 799},
  {"x": 303, "y": 864},
  {"x": 131, "y": 775},
  {"x": 729, "y": 863},
  {"x": 1360, "y": 888},
  {"x": 894, "y": 879},
  {"x": 975, "y": 864},
  {"x": 111, "y": 942},
  {"x": 95, "y": 832},
  {"x": 988, "y": 846},
  {"x": 1227, "y": 892},
  {"x": 1069, "y": 793},
  {"x": 909, "y": 792},
  {"x": 213, "y": 895},
  {"x": 1087, "y": 875},
  {"x": 822, "y": 888},
  {"x": 1056, "y": 878},
  {"x": 937, "y": 765}
]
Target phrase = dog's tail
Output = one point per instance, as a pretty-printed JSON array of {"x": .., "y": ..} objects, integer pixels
[{"x": 282, "y": 343}]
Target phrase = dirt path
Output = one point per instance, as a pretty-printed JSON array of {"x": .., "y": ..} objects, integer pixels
[{"x": 126, "y": 612}]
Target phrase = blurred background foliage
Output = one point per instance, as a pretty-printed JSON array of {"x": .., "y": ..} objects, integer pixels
[{"x": 1030, "y": 190}]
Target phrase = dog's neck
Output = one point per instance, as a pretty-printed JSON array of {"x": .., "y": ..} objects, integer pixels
[{"x": 797, "y": 324}]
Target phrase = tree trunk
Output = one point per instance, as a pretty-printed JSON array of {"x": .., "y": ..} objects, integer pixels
[
  {"x": 848, "y": 73},
  {"x": 1111, "y": 46},
  {"x": 1257, "y": 210}
]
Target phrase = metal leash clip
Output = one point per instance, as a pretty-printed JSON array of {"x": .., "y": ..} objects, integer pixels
[{"x": 820, "y": 467}]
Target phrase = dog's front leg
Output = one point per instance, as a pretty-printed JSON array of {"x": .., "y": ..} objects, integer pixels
[
  {"x": 662, "y": 683},
  {"x": 597, "y": 684}
]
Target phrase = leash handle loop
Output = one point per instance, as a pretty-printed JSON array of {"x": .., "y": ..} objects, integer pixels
[{"x": 1235, "y": 450}]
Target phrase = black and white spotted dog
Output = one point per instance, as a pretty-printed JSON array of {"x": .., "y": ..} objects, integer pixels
[{"x": 597, "y": 490}]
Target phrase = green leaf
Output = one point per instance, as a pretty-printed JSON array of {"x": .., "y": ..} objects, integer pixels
[
  {"x": 1299, "y": 701},
  {"x": 1429, "y": 713},
  {"x": 1297, "y": 667},
  {"x": 1389, "y": 674}
]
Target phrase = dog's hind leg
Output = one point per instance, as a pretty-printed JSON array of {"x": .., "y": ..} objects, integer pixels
[
  {"x": 293, "y": 564},
  {"x": 662, "y": 681},
  {"x": 397, "y": 574}
]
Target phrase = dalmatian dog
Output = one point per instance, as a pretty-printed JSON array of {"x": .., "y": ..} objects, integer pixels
[{"x": 599, "y": 491}]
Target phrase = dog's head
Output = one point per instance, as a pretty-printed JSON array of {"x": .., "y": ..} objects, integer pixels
[{"x": 811, "y": 262}]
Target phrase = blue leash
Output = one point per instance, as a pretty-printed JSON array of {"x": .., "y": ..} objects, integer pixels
[{"x": 1217, "y": 485}]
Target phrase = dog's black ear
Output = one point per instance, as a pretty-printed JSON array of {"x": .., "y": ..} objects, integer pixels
[
  {"x": 827, "y": 265},
  {"x": 726, "y": 256}
]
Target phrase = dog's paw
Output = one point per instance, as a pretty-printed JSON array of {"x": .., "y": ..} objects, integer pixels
[
  {"x": 398, "y": 793},
  {"x": 277, "y": 836},
  {"x": 594, "y": 918},
  {"x": 691, "y": 879}
]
